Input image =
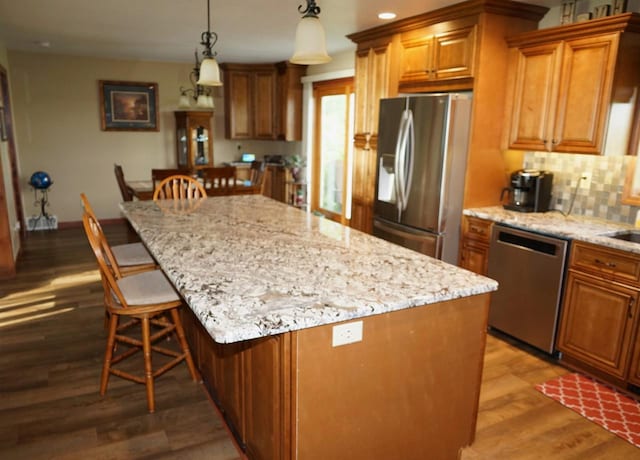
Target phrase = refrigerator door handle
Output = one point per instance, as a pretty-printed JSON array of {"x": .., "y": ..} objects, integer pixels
[
  {"x": 399, "y": 163},
  {"x": 408, "y": 175}
]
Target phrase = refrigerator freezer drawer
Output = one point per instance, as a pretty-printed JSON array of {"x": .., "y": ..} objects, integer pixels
[{"x": 420, "y": 241}]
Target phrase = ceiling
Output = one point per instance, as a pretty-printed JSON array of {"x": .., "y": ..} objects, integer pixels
[{"x": 169, "y": 30}]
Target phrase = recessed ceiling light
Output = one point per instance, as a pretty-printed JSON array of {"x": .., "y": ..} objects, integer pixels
[
  {"x": 387, "y": 15},
  {"x": 43, "y": 43}
]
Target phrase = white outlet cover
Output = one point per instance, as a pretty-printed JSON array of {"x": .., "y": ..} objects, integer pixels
[{"x": 347, "y": 333}]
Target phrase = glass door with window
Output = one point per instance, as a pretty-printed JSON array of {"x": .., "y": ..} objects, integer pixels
[{"x": 331, "y": 181}]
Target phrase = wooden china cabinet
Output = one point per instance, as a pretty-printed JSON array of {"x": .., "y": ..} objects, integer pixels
[{"x": 194, "y": 139}]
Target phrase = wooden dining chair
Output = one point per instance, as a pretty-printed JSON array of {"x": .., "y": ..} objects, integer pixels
[
  {"x": 125, "y": 190},
  {"x": 144, "y": 299},
  {"x": 159, "y": 174},
  {"x": 256, "y": 173},
  {"x": 131, "y": 257},
  {"x": 179, "y": 187},
  {"x": 219, "y": 180}
]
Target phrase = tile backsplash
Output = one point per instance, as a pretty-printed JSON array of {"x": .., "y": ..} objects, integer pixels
[{"x": 599, "y": 197}]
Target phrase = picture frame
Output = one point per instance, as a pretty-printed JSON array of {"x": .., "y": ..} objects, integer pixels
[
  {"x": 601, "y": 11},
  {"x": 4, "y": 135},
  {"x": 619, "y": 6},
  {"x": 567, "y": 12},
  {"x": 128, "y": 106}
]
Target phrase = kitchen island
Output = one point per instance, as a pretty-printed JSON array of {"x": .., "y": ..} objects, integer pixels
[{"x": 317, "y": 341}]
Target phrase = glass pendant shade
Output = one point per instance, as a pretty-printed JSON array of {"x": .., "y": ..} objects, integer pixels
[
  {"x": 209, "y": 73},
  {"x": 310, "y": 45},
  {"x": 201, "y": 101},
  {"x": 184, "y": 102}
]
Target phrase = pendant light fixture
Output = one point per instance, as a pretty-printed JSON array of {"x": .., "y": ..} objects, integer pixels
[
  {"x": 209, "y": 74},
  {"x": 310, "y": 47}
]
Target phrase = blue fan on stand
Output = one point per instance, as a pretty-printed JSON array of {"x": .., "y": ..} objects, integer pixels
[{"x": 41, "y": 181}]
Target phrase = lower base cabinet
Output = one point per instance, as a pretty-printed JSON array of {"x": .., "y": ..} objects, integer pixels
[{"x": 599, "y": 323}]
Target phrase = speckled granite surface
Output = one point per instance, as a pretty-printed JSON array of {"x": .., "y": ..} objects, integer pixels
[
  {"x": 249, "y": 267},
  {"x": 554, "y": 223}
]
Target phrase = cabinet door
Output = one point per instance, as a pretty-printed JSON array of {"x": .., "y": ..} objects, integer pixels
[
  {"x": 536, "y": 82},
  {"x": 634, "y": 371},
  {"x": 597, "y": 322},
  {"x": 363, "y": 187},
  {"x": 585, "y": 93},
  {"x": 228, "y": 375},
  {"x": 416, "y": 56},
  {"x": 453, "y": 53},
  {"x": 371, "y": 85},
  {"x": 474, "y": 256},
  {"x": 264, "y": 95},
  {"x": 266, "y": 377},
  {"x": 238, "y": 91}
]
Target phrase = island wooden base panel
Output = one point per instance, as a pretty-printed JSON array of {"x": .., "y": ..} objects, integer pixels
[{"x": 408, "y": 390}]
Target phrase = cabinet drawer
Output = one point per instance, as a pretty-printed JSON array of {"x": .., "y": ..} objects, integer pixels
[
  {"x": 476, "y": 229},
  {"x": 606, "y": 262}
]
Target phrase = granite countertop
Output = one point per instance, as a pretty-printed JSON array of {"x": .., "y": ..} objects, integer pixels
[
  {"x": 250, "y": 267},
  {"x": 552, "y": 223}
]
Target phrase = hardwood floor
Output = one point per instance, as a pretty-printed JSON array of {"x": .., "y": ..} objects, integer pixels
[{"x": 51, "y": 346}]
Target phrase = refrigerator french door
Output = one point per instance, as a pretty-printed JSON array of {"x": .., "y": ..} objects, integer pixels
[{"x": 422, "y": 150}]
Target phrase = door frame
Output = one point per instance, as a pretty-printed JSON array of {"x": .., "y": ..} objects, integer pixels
[{"x": 320, "y": 89}]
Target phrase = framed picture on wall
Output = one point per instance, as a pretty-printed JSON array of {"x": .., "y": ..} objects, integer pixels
[
  {"x": 3, "y": 126},
  {"x": 128, "y": 106},
  {"x": 619, "y": 6}
]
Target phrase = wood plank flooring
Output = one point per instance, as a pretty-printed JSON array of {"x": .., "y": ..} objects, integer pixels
[{"x": 51, "y": 346}]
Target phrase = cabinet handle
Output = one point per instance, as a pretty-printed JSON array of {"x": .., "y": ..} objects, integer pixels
[
  {"x": 630, "y": 307},
  {"x": 554, "y": 142},
  {"x": 606, "y": 264},
  {"x": 477, "y": 230}
]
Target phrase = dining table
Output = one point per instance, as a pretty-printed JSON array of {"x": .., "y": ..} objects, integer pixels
[{"x": 316, "y": 340}]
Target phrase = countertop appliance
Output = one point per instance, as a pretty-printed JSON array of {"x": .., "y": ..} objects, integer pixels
[
  {"x": 422, "y": 152},
  {"x": 529, "y": 191},
  {"x": 529, "y": 268}
]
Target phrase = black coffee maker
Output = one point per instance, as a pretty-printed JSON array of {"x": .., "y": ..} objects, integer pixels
[{"x": 530, "y": 191}]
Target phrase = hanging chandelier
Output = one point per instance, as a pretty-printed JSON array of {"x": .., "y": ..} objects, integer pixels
[
  {"x": 205, "y": 73},
  {"x": 310, "y": 47},
  {"x": 209, "y": 70}
]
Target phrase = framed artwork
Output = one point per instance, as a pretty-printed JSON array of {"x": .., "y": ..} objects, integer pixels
[
  {"x": 601, "y": 11},
  {"x": 619, "y": 6},
  {"x": 128, "y": 106},
  {"x": 3, "y": 126},
  {"x": 567, "y": 12}
]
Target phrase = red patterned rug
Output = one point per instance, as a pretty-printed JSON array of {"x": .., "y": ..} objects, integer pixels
[{"x": 601, "y": 404}]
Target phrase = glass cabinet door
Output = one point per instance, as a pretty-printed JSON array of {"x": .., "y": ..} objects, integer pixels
[
  {"x": 200, "y": 145},
  {"x": 183, "y": 151}
]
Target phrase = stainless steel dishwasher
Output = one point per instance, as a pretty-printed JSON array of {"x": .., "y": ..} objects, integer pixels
[{"x": 529, "y": 268}]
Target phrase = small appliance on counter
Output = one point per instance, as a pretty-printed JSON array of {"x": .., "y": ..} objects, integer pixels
[{"x": 530, "y": 191}]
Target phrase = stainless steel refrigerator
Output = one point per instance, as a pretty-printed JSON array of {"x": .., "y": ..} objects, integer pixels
[{"x": 422, "y": 155}]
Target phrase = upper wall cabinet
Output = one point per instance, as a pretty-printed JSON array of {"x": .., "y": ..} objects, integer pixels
[
  {"x": 565, "y": 81},
  {"x": 263, "y": 101},
  {"x": 436, "y": 53}
]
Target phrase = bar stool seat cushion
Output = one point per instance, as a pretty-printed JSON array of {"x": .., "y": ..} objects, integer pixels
[
  {"x": 131, "y": 254},
  {"x": 147, "y": 288}
]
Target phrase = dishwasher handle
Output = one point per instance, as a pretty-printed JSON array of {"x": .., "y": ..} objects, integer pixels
[{"x": 531, "y": 243}]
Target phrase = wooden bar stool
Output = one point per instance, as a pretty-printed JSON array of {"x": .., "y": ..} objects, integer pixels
[{"x": 146, "y": 299}]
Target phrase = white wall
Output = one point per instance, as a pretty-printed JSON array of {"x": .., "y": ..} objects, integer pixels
[{"x": 56, "y": 114}]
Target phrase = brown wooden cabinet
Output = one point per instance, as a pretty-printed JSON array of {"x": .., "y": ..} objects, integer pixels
[
  {"x": 600, "y": 311},
  {"x": 275, "y": 183},
  {"x": 459, "y": 47},
  {"x": 194, "y": 139},
  {"x": 564, "y": 82},
  {"x": 436, "y": 53},
  {"x": 474, "y": 250},
  {"x": 263, "y": 101}
]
